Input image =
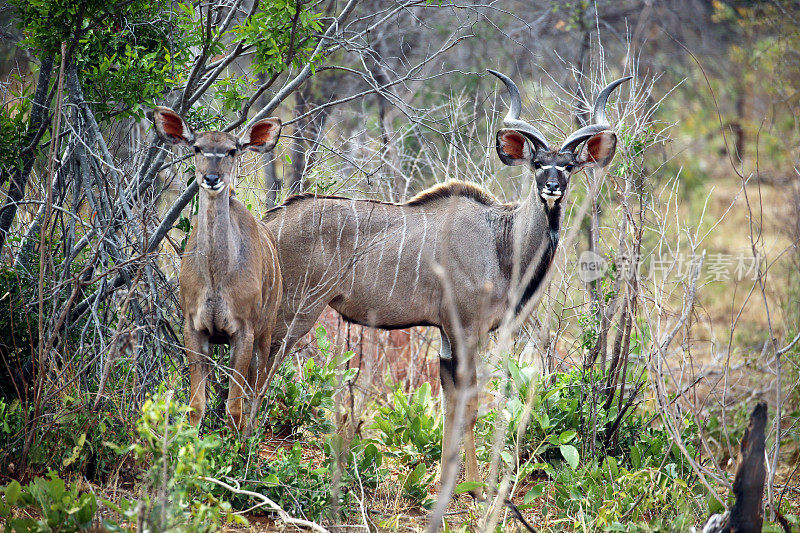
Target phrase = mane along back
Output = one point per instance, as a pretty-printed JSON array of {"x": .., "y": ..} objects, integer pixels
[
  {"x": 451, "y": 189},
  {"x": 305, "y": 196}
]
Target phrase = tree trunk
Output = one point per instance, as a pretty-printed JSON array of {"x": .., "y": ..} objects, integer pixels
[{"x": 746, "y": 515}]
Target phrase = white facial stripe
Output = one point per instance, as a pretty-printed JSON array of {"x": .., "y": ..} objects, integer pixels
[
  {"x": 212, "y": 154},
  {"x": 546, "y": 167},
  {"x": 561, "y": 169}
]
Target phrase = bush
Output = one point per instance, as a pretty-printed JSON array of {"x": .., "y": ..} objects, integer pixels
[
  {"x": 62, "y": 509},
  {"x": 18, "y": 331},
  {"x": 622, "y": 486},
  {"x": 563, "y": 420},
  {"x": 300, "y": 478},
  {"x": 410, "y": 431},
  {"x": 176, "y": 495},
  {"x": 411, "y": 428},
  {"x": 608, "y": 497},
  {"x": 73, "y": 440},
  {"x": 306, "y": 403}
]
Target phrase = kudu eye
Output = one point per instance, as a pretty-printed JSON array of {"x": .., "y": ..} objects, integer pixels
[
  {"x": 537, "y": 165},
  {"x": 232, "y": 152},
  {"x": 569, "y": 166},
  {"x": 197, "y": 149}
]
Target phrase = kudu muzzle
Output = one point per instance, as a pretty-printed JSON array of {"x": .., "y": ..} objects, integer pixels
[
  {"x": 551, "y": 192},
  {"x": 213, "y": 182}
]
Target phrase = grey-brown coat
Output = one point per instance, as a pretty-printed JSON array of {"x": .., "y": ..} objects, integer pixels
[
  {"x": 452, "y": 257},
  {"x": 230, "y": 281}
]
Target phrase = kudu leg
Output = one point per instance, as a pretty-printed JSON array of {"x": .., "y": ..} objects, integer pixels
[
  {"x": 290, "y": 327},
  {"x": 241, "y": 354},
  {"x": 257, "y": 377},
  {"x": 448, "y": 374},
  {"x": 197, "y": 357}
]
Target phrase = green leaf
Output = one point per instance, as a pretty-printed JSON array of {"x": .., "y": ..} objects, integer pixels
[
  {"x": 567, "y": 436},
  {"x": 415, "y": 476},
  {"x": 534, "y": 493},
  {"x": 636, "y": 457},
  {"x": 13, "y": 490},
  {"x": 513, "y": 370},
  {"x": 570, "y": 454},
  {"x": 76, "y": 451},
  {"x": 613, "y": 467},
  {"x": 467, "y": 486},
  {"x": 714, "y": 505},
  {"x": 544, "y": 421}
]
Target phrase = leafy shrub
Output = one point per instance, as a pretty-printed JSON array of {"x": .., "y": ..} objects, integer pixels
[
  {"x": 563, "y": 420},
  {"x": 62, "y": 509},
  {"x": 295, "y": 484},
  {"x": 74, "y": 440},
  {"x": 176, "y": 495},
  {"x": 299, "y": 482},
  {"x": 363, "y": 467},
  {"x": 307, "y": 402},
  {"x": 608, "y": 497},
  {"x": 126, "y": 56},
  {"x": 625, "y": 485},
  {"x": 410, "y": 431},
  {"x": 411, "y": 428},
  {"x": 12, "y": 424},
  {"x": 13, "y": 125},
  {"x": 18, "y": 330}
]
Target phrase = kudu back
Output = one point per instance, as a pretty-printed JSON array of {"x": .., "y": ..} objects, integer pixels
[
  {"x": 230, "y": 279},
  {"x": 446, "y": 258}
]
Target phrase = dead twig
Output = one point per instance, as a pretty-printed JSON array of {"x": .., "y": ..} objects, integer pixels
[{"x": 284, "y": 516}]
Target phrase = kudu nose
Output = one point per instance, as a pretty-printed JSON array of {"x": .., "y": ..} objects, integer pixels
[
  {"x": 212, "y": 180},
  {"x": 551, "y": 184}
]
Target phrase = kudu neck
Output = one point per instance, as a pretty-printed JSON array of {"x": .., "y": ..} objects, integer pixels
[
  {"x": 217, "y": 239},
  {"x": 539, "y": 220},
  {"x": 534, "y": 239}
]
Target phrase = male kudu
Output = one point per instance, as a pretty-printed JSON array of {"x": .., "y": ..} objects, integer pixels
[
  {"x": 445, "y": 258},
  {"x": 230, "y": 280}
]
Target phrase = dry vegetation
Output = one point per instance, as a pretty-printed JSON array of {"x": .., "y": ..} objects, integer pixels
[{"x": 617, "y": 405}]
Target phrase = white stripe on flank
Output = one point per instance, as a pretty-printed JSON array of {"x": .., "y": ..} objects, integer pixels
[
  {"x": 399, "y": 258},
  {"x": 355, "y": 244},
  {"x": 421, "y": 246},
  {"x": 383, "y": 246},
  {"x": 320, "y": 228},
  {"x": 283, "y": 221}
]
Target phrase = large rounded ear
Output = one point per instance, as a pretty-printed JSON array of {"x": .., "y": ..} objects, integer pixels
[
  {"x": 598, "y": 151},
  {"x": 513, "y": 148},
  {"x": 171, "y": 128},
  {"x": 262, "y": 136}
]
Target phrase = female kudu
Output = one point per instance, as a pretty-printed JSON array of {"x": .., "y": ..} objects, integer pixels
[{"x": 230, "y": 279}]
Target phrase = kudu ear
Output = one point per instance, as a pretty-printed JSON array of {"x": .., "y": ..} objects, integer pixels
[
  {"x": 171, "y": 128},
  {"x": 261, "y": 136},
  {"x": 598, "y": 151},
  {"x": 513, "y": 148}
]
